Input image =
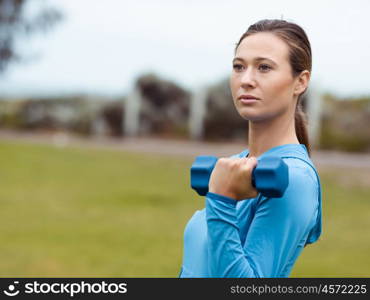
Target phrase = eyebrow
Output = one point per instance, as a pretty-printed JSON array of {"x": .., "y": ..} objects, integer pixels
[{"x": 256, "y": 59}]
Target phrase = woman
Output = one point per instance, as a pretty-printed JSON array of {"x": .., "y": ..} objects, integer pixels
[{"x": 241, "y": 233}]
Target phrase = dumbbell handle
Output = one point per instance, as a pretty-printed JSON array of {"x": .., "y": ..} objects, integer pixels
[{"x": 270, "y": 176}]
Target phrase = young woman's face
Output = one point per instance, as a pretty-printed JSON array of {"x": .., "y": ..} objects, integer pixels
[{"x": 261, "y": 69}]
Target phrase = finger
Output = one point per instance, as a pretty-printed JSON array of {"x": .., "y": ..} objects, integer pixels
[
  {"x": 243, "y": 162},
  {"x": 252, "y": 162}
]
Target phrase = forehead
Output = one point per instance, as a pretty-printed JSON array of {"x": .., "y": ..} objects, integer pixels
[{"x": 263, "y": 44}]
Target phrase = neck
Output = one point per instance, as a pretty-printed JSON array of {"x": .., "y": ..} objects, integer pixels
[{"x": 264, "y": 135}]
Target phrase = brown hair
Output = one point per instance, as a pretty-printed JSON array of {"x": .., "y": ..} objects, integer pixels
[{"x": 300, "y": 57}]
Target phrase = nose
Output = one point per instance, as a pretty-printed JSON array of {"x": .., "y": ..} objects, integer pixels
[{"x": 248, "y": 79}]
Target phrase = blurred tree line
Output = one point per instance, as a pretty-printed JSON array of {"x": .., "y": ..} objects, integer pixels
[
  {"x": 165, "y": 109},
  {"x": 345, "y": 123}
]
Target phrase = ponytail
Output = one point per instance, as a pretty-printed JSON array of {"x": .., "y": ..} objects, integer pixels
[{"x": 301, "y": 126}]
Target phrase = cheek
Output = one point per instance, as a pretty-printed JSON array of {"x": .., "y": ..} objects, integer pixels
[{"x": 278, "y": 88}]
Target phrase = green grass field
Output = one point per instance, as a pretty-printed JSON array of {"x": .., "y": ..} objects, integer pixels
[{"x": 103, "y": 213}]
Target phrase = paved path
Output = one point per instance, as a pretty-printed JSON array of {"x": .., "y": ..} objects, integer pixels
[{"x": 178, "y": 147}]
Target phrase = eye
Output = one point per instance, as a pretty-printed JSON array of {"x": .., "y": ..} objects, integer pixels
[
  {"x": 264, "y": 67},
  {"x": 237, "y": 67}
]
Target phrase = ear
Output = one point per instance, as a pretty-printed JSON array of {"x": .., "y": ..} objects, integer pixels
[{"x": 302, "y": 82}]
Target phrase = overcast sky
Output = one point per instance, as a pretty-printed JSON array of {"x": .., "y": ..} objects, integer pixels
[{"x": 103, "y": 46}]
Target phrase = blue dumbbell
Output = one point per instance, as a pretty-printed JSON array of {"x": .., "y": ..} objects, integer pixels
[{"x": 269, "y": 177}]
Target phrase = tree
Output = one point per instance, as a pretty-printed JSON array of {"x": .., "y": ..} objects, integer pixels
[{"x": 16, "y": 22}]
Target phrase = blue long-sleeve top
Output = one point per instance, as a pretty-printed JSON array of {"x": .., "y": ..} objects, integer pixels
[{"x": 256, "y": 237}]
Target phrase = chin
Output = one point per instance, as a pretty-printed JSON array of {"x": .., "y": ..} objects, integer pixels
[{"x": 251, "y": 114}]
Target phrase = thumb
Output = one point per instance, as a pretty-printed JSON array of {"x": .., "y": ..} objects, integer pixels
[{"x": 252, "y": 162}]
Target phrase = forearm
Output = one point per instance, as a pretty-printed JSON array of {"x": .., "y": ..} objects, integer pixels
[{"x": 226, "y": 254}]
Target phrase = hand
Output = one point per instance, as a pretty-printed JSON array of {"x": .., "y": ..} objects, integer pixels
[{"x": 232, "y": 177}]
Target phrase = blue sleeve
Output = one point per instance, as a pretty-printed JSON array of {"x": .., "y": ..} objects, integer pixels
[{"x": 278, "y": 226}]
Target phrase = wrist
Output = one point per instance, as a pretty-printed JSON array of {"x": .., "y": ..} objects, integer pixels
[
  {"x": 224, "y": 193},
  {"x": 219, "y": 197}
]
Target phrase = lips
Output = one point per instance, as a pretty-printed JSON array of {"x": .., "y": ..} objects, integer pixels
[{"x": 248, "y": 97}]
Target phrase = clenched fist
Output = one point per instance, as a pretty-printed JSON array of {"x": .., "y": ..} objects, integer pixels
[{"x": 232, "y": 177}]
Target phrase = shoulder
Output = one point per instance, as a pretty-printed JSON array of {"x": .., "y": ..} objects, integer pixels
[
  {"x": 300, "y": 199},
  {"x": 301, "y": 172},
  {"x": 303, "y": 186}
]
